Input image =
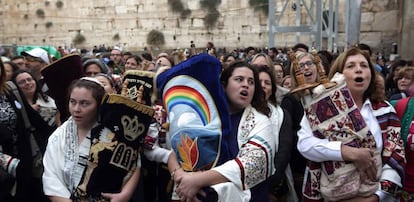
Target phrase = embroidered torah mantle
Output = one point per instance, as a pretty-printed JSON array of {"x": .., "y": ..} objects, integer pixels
[
  {"x": 197, "y": 110},
  {"x": 136, "y": 79},
  {"x": 115, "y": 144},
  {"x": 333, "y": 115}
]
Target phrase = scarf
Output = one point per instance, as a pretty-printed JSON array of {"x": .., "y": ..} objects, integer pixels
[{"x": 393, "y": 153}]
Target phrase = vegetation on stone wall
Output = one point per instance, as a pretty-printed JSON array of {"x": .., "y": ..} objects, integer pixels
[
  {"x": 212, "y": 16},
  {"x": 116, "y": 37},
  {"x": 49, "y": 24},
  {"x": 25, "y": 16},
  {"x": 78, "y": 39},
  {"x": 40, "y": 13},
  {"x": 59, "y": 4},
  {"x": 177, "y": 6},
  {"x": 260, "y": 6},
  {"x": 155, "y": 38}
]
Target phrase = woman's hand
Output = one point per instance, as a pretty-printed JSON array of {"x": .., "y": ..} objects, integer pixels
[
  {"x": 362, "y": 159},
  {"x": 188, "y": 185},
  {"x": 117, "y": 197},
  {"x": 36, "y": 107}
]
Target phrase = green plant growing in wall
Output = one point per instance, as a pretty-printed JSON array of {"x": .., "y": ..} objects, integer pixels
[
  {"x": 116, "y": 37},
  {"x": 59, "y": 4},
  {"x": 210, "y": 4},
  {"x": 155, "y": 38},
  {"x": 78, "y": 39},
  {"x": 177, "y": 6},
  {"x": 212, "y": 16},
  {"x": 260, "y": 6},
  {"x": 40, "y": 13},
  {"x": 49, "y": 24},
  {"x": 25, "y": 16}
]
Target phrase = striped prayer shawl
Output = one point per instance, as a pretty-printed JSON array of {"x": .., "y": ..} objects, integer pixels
[{"x": 393, "y": 152}]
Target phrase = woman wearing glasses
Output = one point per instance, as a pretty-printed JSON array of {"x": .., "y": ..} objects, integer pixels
[{"x": 39, "y": 101}]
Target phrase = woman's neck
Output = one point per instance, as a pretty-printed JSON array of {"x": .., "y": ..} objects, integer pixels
[
  {"x": 234, "y": 110},
  {"x": 359, "y": 101},
  {"x": 29, "y": 98},
  {"x": 82, "y": 133}
]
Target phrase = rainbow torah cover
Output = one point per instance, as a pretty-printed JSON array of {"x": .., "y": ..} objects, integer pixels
[{"x": 197, "y": 110}]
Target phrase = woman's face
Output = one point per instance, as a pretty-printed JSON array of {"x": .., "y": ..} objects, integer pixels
[
  {"x": 162, "y": 62},
  {"x": 9, "y": 71},
  {"x": 230, "y": 59},
  {"x": 83, "y": 107},
  {"x": 288, "y": 83},
  {"x": 26, "y": 84},
  {"x": 92, "y": 70},
  {"x": 107, "y": 84},
  {"x": 260, "y": 60},
  {"x": 266, "y": 84},
  {"x": 278, "y": 74},
  {"x": 309, "y": 69},
  {"x": 132, "y": 64},
  {"x": 357, "y": 75},
  {"x": 240, "y": 88},
  {"x": 403, "y": 83}
]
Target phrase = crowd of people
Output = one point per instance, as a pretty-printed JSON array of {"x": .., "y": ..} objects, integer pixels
[{"x": 278, "y": 149}]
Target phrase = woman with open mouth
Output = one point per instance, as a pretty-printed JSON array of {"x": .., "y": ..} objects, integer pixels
[{"x": 379, "y": 116}]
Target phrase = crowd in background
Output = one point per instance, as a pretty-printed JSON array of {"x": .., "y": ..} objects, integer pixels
[{"x": 394, "y": 81}]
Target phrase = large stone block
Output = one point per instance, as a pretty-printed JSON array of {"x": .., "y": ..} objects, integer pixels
[
  {"x": 387, "y": 20},
  {"x": 367, "y": 19}
]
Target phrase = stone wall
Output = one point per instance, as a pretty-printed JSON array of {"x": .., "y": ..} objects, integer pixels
[{"x": 238, "y": 25}]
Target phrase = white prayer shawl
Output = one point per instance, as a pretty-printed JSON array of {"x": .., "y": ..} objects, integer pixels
[
  {"x": 64, "y": 160},
  {"x": 254, "y": 162}
]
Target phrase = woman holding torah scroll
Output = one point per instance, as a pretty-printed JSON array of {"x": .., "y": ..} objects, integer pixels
[{"x": 383, "y": 124}]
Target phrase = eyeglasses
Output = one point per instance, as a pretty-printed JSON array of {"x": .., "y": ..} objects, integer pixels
[
  {"x": 24, "y": 81},
  {"x": 307, "y": 63}
]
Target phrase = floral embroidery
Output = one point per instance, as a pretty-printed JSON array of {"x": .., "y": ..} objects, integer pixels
[{"x": 188, "y": 152}]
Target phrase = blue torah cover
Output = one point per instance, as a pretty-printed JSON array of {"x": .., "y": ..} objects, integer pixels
[{"x": 197, "y": 111}]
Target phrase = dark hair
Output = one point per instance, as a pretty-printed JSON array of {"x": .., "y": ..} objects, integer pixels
[
  {"x": 12, "y": 64},
  {"x": 17, "y": 57},
  {"x": 339, "y": 65},
  {"x": 3, "y": 85},
  {"x": 364, "y": 47},
  {"x": 136, "y": 57},
  {"x": 266, "y": 69},
  {"x": 127, "y": 53},
  {"x": 97, "y": 90},
  {"x": 300, "y": 45},
  {"x": 227, "y": 57},
  {"x": 101, "y": 65},
  {"x": 249, "y": 49},
  {"x": 390, "y": 84},
  {"x": 169, "y": 58},
  {"x": 146, "y": 56},
  {"x": 38, "y": 91},
  {"x": 258, "y": 102}
]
